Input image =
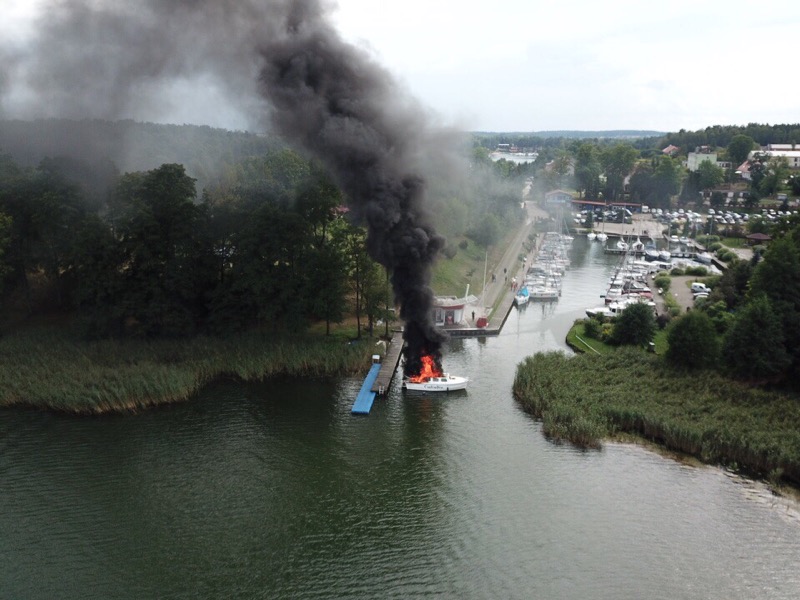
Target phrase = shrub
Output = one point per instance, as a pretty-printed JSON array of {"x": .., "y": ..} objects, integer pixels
[
  {"x": 663, "y": 320},
  {"x": 714, "y": 247},
  {"x": 592, "y": 328},
  {"x": 663, "y": 281},
  {"x": 697, "y": 271},
  {"x": 676, "y": 272},
  {"x": 693, "y": 342},
  {"x": 635, "y": 326},
  {"x": 753, "y": 347},
  {"x": 450, "y": 251},
  {"x": 463, "y": 244}
]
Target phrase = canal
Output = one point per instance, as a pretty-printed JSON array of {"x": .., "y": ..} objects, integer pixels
[{"x": 274, "y": 490}]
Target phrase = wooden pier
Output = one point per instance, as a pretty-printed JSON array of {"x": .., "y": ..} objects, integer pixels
[
  {"x": 389, "y": 365},
  {"x": 380, "y": 376}
]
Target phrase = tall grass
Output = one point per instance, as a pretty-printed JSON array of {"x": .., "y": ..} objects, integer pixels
[
  {"x": 48, "y": 369},
  {"x": 586, "y": 398}
]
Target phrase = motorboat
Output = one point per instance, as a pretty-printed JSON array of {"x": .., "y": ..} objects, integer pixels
[
  {"x": 591, "y": 235},
  {"x": 522, "y": 296},
  {"x": 601, "y": 237},
  {"x": 443, "y": 383},
  {"x": 704, "y": 257},
  {"x": 544, "y": 293}
]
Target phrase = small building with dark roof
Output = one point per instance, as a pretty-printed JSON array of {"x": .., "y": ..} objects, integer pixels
[{"x": 758, "y": 238}]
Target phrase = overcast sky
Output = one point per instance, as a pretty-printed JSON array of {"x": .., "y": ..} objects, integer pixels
[{"x": 530, "y": 65}]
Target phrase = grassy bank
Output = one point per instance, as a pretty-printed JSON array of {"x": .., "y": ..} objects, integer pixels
[
  {"x": 586, "y": 398},
  {"x": 47, "y": 369}
]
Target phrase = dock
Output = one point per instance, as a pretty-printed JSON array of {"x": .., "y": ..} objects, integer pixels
[
  {"x": 366, "y": 396},
  {"x": 389, "y": 364},
  {"x": 379, "y": 377}
]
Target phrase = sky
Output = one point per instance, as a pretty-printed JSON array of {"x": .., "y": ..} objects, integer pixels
[{"x": 530, "y": 65}]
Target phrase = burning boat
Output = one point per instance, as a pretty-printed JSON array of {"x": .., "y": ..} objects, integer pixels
[{"x": 433, "y": 379}]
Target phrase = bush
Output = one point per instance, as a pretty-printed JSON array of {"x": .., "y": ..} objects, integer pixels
[
  {"x": 635, "y": 326},
  {"x": 693, "y": 342},
  {"x": 727, "y": 256},
  {"x": 697, "y": 271},
  {"x": 663, "y": 320},
  {"x": 463, "y": 244},
  {"x": 663, "y": 281},
  {"x": 592, "y": 328},
  {"x": 676, "y": 272},
  {"x": 714, "y": 247},
  {"x": 707, "y": 239},
  {"x": 450, "y": 251}
]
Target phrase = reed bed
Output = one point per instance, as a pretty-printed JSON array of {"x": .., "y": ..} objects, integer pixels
[
  {"x": 48, "y": 369},
  {"x": 584, "y": 399}
]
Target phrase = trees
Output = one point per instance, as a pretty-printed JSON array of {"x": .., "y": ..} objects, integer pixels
[
  {"x": 775, "y": 172},
  {"x": 655, "y": 182},
  {"x": 588, "y": 170},
  {"x": 617, "y": 162},
  {"x": 709, "y": 175},
  {"x": 5, "y": 239},
  {"x": 739, "y": 148},
  {"x": 666, "y": 180},
  {"x": 753, "y": 349},
  {"x": 692, "y": 341},
  {"x": 636, "y": 326},
  {"x": 167, "y": 268},
  {"x": 777, "y": 277}
]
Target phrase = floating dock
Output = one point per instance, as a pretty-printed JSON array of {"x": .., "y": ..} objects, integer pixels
[
  {"x": 379, "y": 377},
  {"x": 366, "y": 396}
]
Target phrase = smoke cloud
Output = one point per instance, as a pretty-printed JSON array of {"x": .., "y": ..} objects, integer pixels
[{"x": 279, "y": 63}]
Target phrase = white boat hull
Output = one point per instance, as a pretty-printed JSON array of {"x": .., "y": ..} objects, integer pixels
[{"x": 445, "y": 383}]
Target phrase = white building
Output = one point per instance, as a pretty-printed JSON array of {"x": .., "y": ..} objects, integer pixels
[
  {"x": 792, "y": 156},
  {"x": 700, "y": 155}
]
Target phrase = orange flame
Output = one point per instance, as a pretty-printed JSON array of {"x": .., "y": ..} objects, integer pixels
[{"x": 428, "y": 370}]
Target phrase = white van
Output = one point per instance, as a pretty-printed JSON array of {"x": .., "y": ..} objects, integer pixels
[{"x": 699, "y": 288}]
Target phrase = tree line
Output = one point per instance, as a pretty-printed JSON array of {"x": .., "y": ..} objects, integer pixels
[
  {"x": 268, "y": 243},
  {"x": 272, "y": 248}
]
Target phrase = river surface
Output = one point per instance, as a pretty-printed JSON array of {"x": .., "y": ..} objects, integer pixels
[{"x": 275, "y": 490}]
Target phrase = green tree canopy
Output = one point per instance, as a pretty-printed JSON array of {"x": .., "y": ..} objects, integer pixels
[
  {"x": 636, "y": 326},
  {"x": 739, "y": 148},
  {"x": 753, "y": 349},
  {"x": 693, "y": 342},
  {"x": 709, "y": 175},
  {"x": 617, "y": 161}
]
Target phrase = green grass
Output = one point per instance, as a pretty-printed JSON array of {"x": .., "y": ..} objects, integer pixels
[
  {"x": 734, "y": 242},
  {"x": 46, "y": 368},
  {"x": 580, "y": 342},
  {"x": 586, "y": 398},
  {"x": 451, "y": 275}
]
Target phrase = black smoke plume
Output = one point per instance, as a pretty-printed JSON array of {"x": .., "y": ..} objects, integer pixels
[
  {"x": 280, "y": 58},
  {"x": 332, "y": 100}
]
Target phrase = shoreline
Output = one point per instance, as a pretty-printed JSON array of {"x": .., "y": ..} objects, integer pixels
[{"x": 587, "y": 399}]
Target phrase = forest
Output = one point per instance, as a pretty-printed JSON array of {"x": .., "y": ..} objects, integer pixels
[{"x": 267, "y": 241}]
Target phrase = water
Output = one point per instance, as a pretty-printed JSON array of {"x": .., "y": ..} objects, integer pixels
[{"x": 275, "y": 490}]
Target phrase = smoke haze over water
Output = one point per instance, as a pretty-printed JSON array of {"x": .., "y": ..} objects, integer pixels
[{"x": 276, "y": 63}]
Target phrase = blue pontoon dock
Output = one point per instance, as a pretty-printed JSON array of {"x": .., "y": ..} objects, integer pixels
[{"x": 366, "y": 396}]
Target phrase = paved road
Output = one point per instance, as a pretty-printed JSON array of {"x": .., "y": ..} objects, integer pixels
[{"x": 509, "y": 261}]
